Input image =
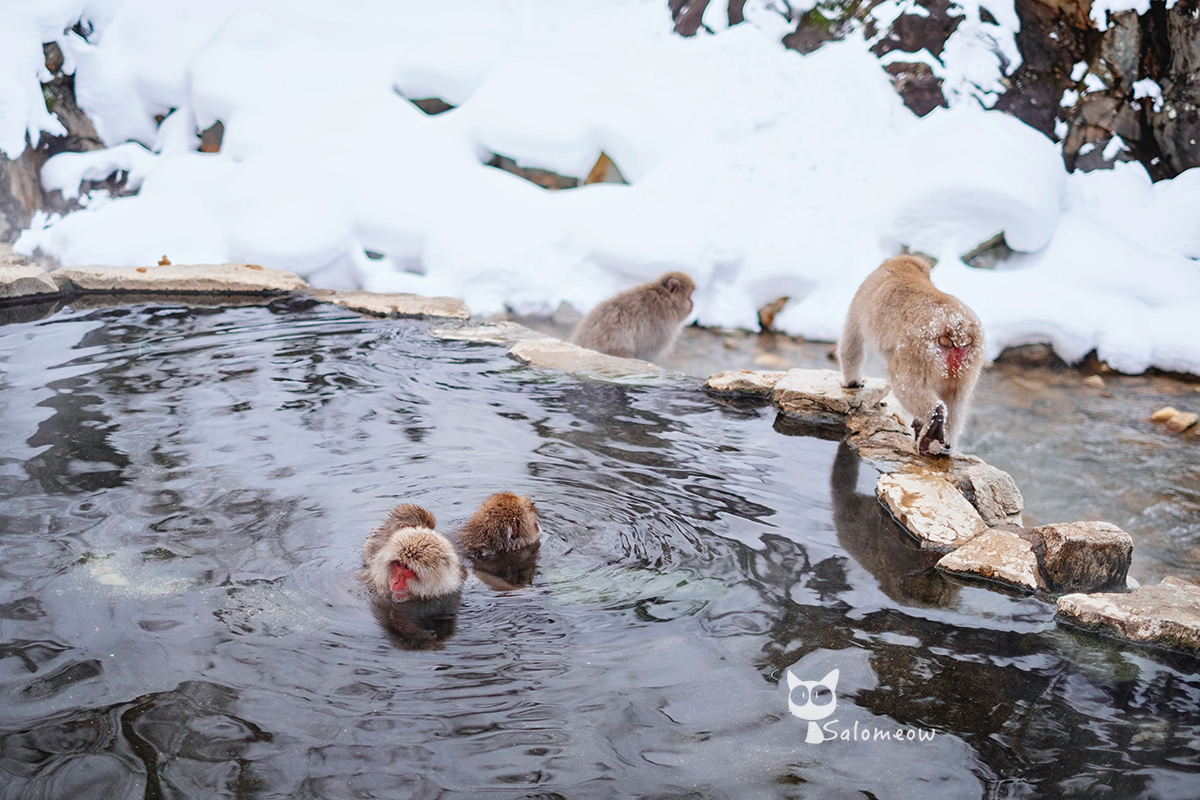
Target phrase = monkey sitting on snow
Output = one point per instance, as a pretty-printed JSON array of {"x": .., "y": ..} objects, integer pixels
[
  {"x": 641, "y": 322},
  {"x": 933, "y": 343}
]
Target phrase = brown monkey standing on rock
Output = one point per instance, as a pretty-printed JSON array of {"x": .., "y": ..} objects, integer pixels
[
  {"x": 933, "y": 343},
  {"x": 641, "y": 322}
]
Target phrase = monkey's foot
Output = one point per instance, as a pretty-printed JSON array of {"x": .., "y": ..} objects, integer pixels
[
  {"x": 932, "y": 441},
  {"x": 853, "y": 384}
]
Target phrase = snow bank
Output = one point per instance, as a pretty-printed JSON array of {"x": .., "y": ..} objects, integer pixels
[{"x": 758, "y": 171}]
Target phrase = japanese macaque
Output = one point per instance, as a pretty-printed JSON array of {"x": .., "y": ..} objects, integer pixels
[
  {"x": 933, "y": 343},
  {"x": 406, "y": 559},
  {"x": 642, "y": 322},
  {"x": 503, "y": 523}
]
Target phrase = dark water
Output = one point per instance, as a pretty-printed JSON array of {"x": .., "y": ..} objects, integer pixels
[{"x": 183, "y": 497}]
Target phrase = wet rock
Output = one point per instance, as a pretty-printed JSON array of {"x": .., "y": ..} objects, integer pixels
[
  {"x": 1030, "y": 355},
  {"x": 542, "y": 177},
  {"x": 554, "y": 354},
  {"x": 209, "y": 278},
  {"x": 818, "y": 394},
  {"x": 1182, "y": 421},
  {"x": 505, "y": 333},
  {"x": 931, "y": 509},
  {"x": 1163, "y": 414},
  {"x": 743, "y": 382},
  {"x": 767, "y": 314},
  {"x": 916, "y": 84},
  {"x": 992, "y": 491},
  {"x": 999, "y": 555},
  {"x": 401, "y": 305},
  {"x": 25, "y": 281},
  {"x": 1085, "y": 556},
  {"x": 1166, "y": 615}
]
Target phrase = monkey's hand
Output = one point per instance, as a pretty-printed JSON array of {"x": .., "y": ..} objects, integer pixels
[{"x": 932, "y": 440}]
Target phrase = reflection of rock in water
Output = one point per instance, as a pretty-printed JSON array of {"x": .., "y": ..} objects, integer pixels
[
  {"x": 185, "y": 742},
  {"x": 507, "y": 571},
  {"x": 417, "y": 624},
  {"x": 905, "y": 573}
]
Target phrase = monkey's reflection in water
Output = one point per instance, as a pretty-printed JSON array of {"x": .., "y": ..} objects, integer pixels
[
  {"x": 417, "y": 624},
  {"x": 507, "y": 571},
  {"x": 905, "y": 573}
]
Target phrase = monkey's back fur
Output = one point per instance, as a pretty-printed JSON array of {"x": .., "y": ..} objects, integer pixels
[
  {"x": 642, "y": 322},
  {"x": 900, "y": 313},
  {"x": 505, "y": 522}
]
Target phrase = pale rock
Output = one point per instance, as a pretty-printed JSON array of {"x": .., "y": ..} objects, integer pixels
[
  {"x": 818, "y": 393},
  {"x": 1182, "y": 421},
  {"x": 1095, "y": 381},
  {"x": 1085, "y": 556},
  {"x": 551, "y": 353},
  {"x": 1164, "y": 414},
  {"x": 1000, "y": 555},
  {"x": 23, "y": 281},
  {"x": 1165, "y": 615},
  {"x": 931, "y": 509},
  {"x": 179, "y": 278},
  {"x": 743, "y": 382},
  {"x": 992, "y": 491},
  {"x": 401, "y": 305},
  {"x": 505, "y": 333}
]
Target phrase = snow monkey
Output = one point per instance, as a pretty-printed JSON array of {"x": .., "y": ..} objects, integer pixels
[
  {"x": 641, "y": 322},
  {"x": 406, "y": 559},
  {"x": 933, "y": 343},
  {"x": 503, "y": 523}
]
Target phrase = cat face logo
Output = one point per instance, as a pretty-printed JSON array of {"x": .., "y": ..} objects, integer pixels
[{"x": 812, "y": 700}]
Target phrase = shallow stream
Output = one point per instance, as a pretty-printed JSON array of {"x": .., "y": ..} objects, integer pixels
[{"x": 183, "y": 497}]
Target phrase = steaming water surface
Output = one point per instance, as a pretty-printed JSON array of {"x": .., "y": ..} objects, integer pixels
[{"x": 183, "y": 497}]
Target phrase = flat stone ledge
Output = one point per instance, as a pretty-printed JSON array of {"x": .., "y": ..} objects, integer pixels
[
  {"x": 931, "y": 509},
  {"x": 502, "y": 333},
  {"x": 818, "y": 393},
  {"x": 744, "y": 383},
  {"x": 999, "y": 555},
  {"x": 25, "y": 281},
  {"x": 555, "y": 354},
  {"x": 1164, "y": 615},
  {"x": 1085, "y": 556},
  {"x": 180, "y": 278},
  {"x": 400, "y": 305}
]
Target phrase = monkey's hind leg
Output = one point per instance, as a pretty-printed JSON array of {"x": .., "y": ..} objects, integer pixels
[{"x": 851, "y": 353}]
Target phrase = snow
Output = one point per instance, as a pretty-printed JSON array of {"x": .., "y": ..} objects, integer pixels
[{"x": 758, "y": 171}]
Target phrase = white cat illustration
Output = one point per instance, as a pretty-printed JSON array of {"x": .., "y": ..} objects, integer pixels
[{"x": 813, "y": 705}]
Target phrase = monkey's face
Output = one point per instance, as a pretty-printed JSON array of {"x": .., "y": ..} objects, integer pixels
[{"x": 401, "y": 576}]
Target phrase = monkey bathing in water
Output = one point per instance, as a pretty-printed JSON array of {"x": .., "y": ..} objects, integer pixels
[
  {"x": 933, "y": 343},
  {"x": 406, "y": 559},
  {"x": 504, "y": 523},
  {"x": 641, "y": 322}
]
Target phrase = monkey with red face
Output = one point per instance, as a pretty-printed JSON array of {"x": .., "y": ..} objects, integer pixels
[
  {"x": 933, "y": 343},
  {"x": 406, "y": 559},
  {"x": 642, "y": 322}
]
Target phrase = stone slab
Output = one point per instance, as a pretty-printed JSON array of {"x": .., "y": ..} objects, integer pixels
[
  {"x": 1085, "y": 556},
  {"x": 25, "y": 281},
  {"x": 744, "y": 382},
  {"x": 992, "y": 491},
  {"x": 1164, "y": 615},
  {"x": 998, "y": 555},
  {"x": 505, "y": 333},
  {"x": 400, "y": 305},
  {"x": 555, "y": 354},
  {"x": 931, "y": 509},
  {"x": 180, "y": 278},
  {"x": 819, "y": 393}
]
